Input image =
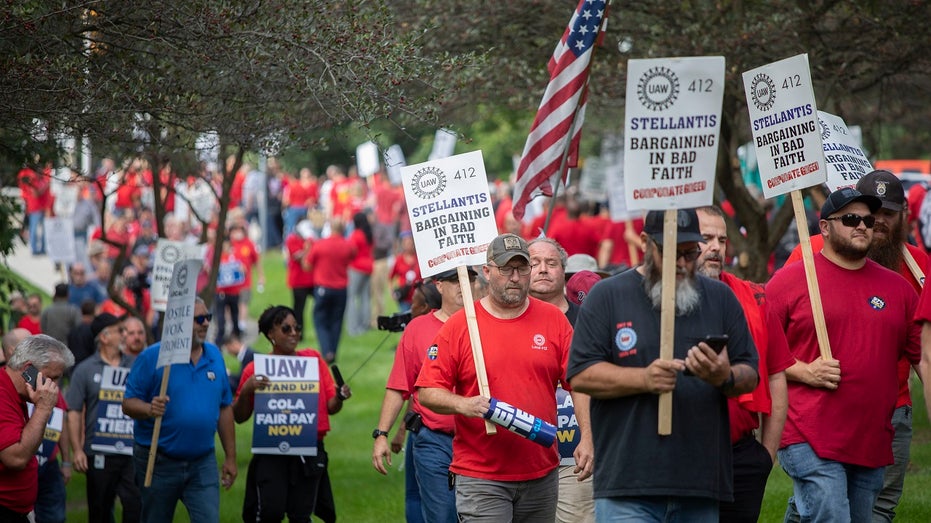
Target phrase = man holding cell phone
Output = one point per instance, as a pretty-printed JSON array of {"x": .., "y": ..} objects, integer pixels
[
  {"x": 615, "y": 359},
  {"x": 30, "y": 375}
]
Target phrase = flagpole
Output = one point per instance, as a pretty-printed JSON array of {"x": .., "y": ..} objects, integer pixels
[{"x": 562, "y": 165}]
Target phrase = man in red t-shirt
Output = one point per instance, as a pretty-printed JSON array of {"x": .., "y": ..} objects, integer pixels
[
  {"x": 430, "y": 444},
  {"x": 21, "y": 435},
  {"x": 868, "y": 314},
  {"x": 34, "y": 189},
  {"x": 753, "y": 460},
  {"x": 501, "y": 476},
  {"x": 329, "y": 261},
  {"x": 888, "y": 249}
]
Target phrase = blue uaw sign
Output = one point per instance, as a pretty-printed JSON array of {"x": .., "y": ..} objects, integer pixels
[
  {"x": 567, "y": 427},
  {"x": 285, "y": 420},
  {"x": 52, "y": 434},
  {"x": 114, "y": 430}
]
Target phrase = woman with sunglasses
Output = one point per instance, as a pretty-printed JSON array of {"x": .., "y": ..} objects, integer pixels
[{"x": 280, "y": 485}]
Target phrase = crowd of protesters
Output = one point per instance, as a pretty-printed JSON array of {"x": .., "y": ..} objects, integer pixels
[{"x": 347, "y": 244}]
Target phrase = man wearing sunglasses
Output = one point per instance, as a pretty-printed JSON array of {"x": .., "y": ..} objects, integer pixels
[
  {"x": 868, "y": 312},
  {"x": 198, "y": 405},
  {"x": 501, "y": 477},
  {"x": 615, "y": 359},
  {"x": 890, "y": 235}
]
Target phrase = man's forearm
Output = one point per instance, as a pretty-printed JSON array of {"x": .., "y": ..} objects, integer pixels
[
  {"x": 226, "y": 428},
  {"x": 772, "y": 425}
]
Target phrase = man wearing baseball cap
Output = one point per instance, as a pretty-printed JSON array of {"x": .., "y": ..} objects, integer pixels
[
  {"x": 868, "y": 311},
  {"x": 890, "y": 235},
  {"x": 502, "y": 476},
  {"x": 615, "y": 358},
  {"x": 764, "y": 408}
]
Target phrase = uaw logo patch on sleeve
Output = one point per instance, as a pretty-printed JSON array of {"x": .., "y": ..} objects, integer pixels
[
  {"x": 625, "y": 339},
  {"x": 433, "y": 352},
  {"x": 877, "y": 303}
]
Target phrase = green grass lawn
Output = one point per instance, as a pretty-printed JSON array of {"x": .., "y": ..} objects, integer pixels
[{"x": 363, "y": 495}]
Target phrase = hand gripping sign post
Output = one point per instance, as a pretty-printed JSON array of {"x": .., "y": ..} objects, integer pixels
[
  {"x": 847, "y": 163},
  {"x": 671, "y": 129},
  {"x": 177, "y": 331},
  {"x": 452, "y": 224},
  {"x": 787, "y": 139}
]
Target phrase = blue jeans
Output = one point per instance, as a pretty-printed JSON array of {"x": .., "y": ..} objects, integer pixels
[
  {"x": 329, "y": 306},
  {"x": 827, "y": 490},
  {"x": 433, "y": 452},
  {"x": 358, "y": 306},
  {"x": 894, "y": 480},
  {"x": 656, "y": 508},
  {"x": 413, "y": 513},
  {"x": 292, "y": 215},
  {"x": 50, "y": 505},
  {"x": 196, "y": 483},
  {"x": 37, "y": 232}
]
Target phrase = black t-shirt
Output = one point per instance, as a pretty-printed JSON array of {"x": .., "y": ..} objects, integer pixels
[{"x": 617, "y": 324}]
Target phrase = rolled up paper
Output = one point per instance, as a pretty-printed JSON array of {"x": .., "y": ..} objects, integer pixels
[{"x": 521, "y": 423}]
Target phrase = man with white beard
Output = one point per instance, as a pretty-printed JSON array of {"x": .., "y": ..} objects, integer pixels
[{"x": 615, "y": 359}]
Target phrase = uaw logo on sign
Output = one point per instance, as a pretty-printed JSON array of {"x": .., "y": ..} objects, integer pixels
[
  {"x": 428, "y": 183},
  {"x": 825, "y": 129},
  {"x": 658, "y": 88},
  {"x": 764, "y": 92}
]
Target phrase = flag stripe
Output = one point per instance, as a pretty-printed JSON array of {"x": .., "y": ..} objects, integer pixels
[{"x": 563, "y": 102}]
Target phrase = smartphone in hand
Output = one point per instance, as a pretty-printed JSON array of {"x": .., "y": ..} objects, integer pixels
[
  {"x": 717, "y": 344},
  {"x": 31, "y": 376}
]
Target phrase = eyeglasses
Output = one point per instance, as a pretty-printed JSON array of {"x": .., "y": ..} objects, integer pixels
[
  {"x": 853, "y": 220},
  {"x": 508, "y": 270},
  {"x": 288, "y": 329},
  {"x": 688, "y": 256},
  {"x": 200, "y": 319}
]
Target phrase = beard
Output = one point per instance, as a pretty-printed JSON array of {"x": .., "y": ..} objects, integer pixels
[
  {"x": 687, "y": 294},
  {"x": 888, "y": 251},
  {"x": 845, "y": 248}
]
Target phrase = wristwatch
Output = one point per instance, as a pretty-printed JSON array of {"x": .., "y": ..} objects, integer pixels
[{"x": 376, "y": 433}]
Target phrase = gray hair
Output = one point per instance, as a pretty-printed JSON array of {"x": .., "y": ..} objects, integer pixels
[
  {"x": 41, "y": 351},
  {"x": 563, "y": 255}
]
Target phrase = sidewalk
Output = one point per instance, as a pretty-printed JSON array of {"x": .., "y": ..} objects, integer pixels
[{"x": 37, "y": 270}]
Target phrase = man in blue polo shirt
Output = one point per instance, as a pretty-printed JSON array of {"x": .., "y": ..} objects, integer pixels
[{"x": 198, "y": 404}]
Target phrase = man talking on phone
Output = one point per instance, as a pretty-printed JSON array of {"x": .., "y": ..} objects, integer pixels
[
  {"x": 30, "y": 375},
  {"x": 615, "y": 359}
]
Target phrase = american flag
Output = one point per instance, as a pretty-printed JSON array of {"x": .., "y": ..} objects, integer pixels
[{"x": 566, "y": 92}]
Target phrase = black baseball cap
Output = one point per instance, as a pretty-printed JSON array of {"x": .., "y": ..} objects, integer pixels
[
  {"x": 452, "y": 274},
  {"x": 841, "y": 198},
  {"x": 885, "y": 186},
  {"x": 686, "y": 219}
]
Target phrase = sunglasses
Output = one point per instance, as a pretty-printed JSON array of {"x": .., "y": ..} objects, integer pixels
[
  {"x": 853, "y": 220},
  {"x": 203, "y": 318},
  {"x": 288, "y": 329},
  {"x": 689, "y": 256}
]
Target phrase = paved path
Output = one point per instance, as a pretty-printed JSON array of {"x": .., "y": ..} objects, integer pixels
[
  {"x": 37, "y": 270},
  {"x": 40, "y": 271}
]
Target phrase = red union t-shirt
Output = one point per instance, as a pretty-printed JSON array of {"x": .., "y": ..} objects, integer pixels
[
  {"x": 18, "y": 488},
  {"x": 869, "y": 315},
  {"x": 525, "y": 358}
]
